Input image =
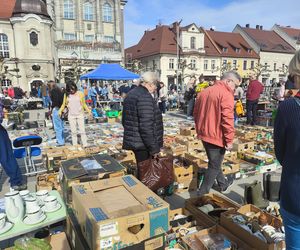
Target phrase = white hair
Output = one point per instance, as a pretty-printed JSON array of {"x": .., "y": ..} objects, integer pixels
[
  {"x": 149, "y": 77},
  {"x": 230, "y": 74}
]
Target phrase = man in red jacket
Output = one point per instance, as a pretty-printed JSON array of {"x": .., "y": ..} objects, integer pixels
[
  {"x": 254, "y": 90},
  {"x": 214, "y": 123}
]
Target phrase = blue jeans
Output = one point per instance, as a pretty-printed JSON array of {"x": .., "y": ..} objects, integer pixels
[
  {"x": 46, "y": 101},
  {"x": 58, "y": 124},
  {"x": 292, "y": 229},
  {"x": 94, "y": 100},
  {"x": 8, "y": 160}
]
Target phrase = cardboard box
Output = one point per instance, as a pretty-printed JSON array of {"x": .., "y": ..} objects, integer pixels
[
  {"x": 78, "y": 242},
  {"x": 246, "y": 236},
  {"x": 48, "y": 181},
  {"x": 176, "y": 149},
  {"x": 184, "y": 169},
  {"x": 230, "y": 167},
  {"x": 59, "y": 241},
  {"x": 74, "y": 234},
  {"x": 187, "y": 131},
  {"x": 219, "y": 200},
  {"x": 119, "y": 211},
  {"x": 194, "y": 242},
  {"x": 190, "y": 142},
  {"x": 231, "y": 156},
  {"x": 254, "y": 158},
  {"x": 53, "y": 157},
  {"x": 113, "y": 119},
  {"x": 73, "y": 152},
  {"x": 74, "y": 172},
  {"x": 241, "y": 145},
  {"x": 186, "y": 184},
  {"x": 197, "y": 159}
]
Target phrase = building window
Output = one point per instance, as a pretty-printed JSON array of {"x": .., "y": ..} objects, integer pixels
[
  {"x": 252, "y": 64},
  {"x": 205, "y": 64},
  {"x": 193, "y": 42},
  {"x": 88, "y": 11},
  {"x": 89, "y": 38},
  {"x": 153, "y": 65},
  {"x": 68, "y": 9},
  {"x": 34, "y": 39},
  {"x": 237, "y": 50},
  {"x": 69, "y": 36},
  {"x": 283, "y": 66},
  {"x": 224, "y": 62},
  {"x": 4, "y": 49},
  {"x": 108, "y": 39},
  {"x": 107, "y": 13},
  {"x": 249, "y": 51},
  {"x": 171, "y": 63},
  {"x": 193, "y": 64},
  {"x": 245, "y": 65},
  {"x": 213, "y": 64},
  {"x": 234, "y": 64},
  {"x": 6, "y": 83},
  {"x": 275, "y": 67},
  {"x": 225, "y": 49}
]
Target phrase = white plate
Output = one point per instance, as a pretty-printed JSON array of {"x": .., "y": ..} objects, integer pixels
[
  {"x": 27, "y": 221},
  {"x": 8, "y": 225},
  {"x": 53, "y": 209}
]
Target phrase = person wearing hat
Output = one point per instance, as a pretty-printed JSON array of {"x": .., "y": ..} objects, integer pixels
[{"x": 287, "y": 150}]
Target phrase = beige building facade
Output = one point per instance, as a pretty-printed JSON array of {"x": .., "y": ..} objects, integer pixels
[
  {"x": 27, "y": 45},
  {"x": 88, "y": 33}
]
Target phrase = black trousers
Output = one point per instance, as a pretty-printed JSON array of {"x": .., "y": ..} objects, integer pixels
[
  {"x": 251, "y": 107},
  {"x": 141, "y": 155},
  {"x": 215, "y": 155}
]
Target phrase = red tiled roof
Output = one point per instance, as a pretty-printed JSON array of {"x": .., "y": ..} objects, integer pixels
[
  {"x": 292, "y": 32},
  {"x": 6, "y": 8},
  {"x": 157, "y": 41},
  {"x": 209, "y": 47},
  {"x": 269, "y": 41},
  {"x": 231, "y": 41}
]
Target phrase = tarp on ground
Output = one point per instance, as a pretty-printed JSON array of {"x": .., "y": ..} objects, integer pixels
[{"x": 110, "y": 71}]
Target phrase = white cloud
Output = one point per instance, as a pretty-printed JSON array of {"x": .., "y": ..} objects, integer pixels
[{"x": 145, "y": 15}]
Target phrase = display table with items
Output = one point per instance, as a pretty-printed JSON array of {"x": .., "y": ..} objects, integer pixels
[{"x": 26, "y": 212}]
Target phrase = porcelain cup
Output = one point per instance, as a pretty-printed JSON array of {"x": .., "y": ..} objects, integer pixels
[
  {"x": 2, "y": 220},
  {"x": 50, "y": 202},
  {"x": 41, "y": 195},
  {"x": 31, "y": 202},
  {"x": 24, "y": 194},
  {"x": 34, "y": 213}
]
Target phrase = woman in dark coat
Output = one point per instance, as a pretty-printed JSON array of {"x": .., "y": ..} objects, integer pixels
[{"x": 142, "y": 120}]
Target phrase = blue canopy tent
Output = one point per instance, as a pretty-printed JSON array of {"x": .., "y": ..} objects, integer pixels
[{"x": 110, "y": 71}]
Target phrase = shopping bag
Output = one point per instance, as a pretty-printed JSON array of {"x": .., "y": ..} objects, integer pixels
[{"x": 156, "y": 172}]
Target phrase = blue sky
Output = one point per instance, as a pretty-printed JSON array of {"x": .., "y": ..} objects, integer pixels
[{"x": 141, "y": 15}]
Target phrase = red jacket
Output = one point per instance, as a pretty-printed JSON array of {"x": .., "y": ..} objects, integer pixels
[
  {"x": 214, "y": 115},
  {"x": 254, "y": 90}
]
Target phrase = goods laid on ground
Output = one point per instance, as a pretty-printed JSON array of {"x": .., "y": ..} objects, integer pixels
[{"x": 94, "y": 189}]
